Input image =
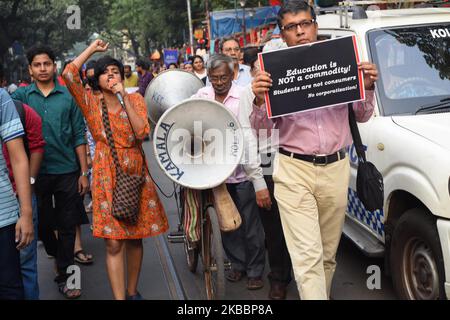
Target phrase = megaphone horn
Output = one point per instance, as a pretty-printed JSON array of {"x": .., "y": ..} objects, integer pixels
[
  {"x": 168, "y": 89},
  {"x": 198, "y": 143}
]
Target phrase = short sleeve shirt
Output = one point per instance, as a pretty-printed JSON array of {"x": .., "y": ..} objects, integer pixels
[
  {"x": 63, "y": 126},
  {"x": 10, "y": 128}
]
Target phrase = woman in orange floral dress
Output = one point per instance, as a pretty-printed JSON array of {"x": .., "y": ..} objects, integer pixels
[{"x": 152, "y": 220}]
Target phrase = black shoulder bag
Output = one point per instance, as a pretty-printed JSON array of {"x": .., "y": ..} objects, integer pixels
[{"x": 369, "y": 181}]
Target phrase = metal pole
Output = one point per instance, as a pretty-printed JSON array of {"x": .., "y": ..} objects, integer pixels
[
  {"x": 208, "y": 23},
  {"x": 244, "y": 31},
  {"x": 191, "y": 36},
  {"x": 236, "y": 10}
]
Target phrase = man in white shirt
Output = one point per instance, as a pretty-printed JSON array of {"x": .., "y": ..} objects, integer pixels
[{"x": 229, "y": 46}]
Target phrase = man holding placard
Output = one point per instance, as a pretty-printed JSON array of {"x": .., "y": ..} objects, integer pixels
[{"x": 311, "y": 170}]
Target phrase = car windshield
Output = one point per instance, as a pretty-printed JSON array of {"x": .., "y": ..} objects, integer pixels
[{"x": 414, "y": 66}]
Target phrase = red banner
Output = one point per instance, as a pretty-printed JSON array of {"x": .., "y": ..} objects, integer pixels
[{"x": 275, "y": 2}]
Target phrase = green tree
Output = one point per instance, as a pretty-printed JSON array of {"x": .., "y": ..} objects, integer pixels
[
  {"x": 148, "y": 24},
  {"x": 32, "y": 22},
  {"x": 151, "y": 24}
]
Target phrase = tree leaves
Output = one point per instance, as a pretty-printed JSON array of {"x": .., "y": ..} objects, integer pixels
[
  {"x": 148, "y": 24},
  {"x": 31, "y": 22}
]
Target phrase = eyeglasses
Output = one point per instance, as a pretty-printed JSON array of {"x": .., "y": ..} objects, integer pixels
[
  {"x": 217, "y": 79},
  {"x": 306, "y": 24},
  {"x": 237, "y": 49}
]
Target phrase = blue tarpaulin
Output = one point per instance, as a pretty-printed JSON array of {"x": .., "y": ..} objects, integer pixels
[{"x": 228, "y": 22}]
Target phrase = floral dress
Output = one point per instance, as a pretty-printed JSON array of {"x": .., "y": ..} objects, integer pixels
[{"x": 152, "y": 218}]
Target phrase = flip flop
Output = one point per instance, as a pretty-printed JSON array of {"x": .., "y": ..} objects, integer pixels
[
  {"x": 235, "y": 275},
  {"x": 78, "y": 257},
  {"x": 88, "y": 208}
]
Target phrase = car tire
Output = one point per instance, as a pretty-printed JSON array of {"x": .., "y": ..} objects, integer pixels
[{"x": 417, "y": 263}]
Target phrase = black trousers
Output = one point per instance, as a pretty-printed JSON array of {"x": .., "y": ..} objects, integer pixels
[
  {"x": 279, "y": 259},
  {"x": 245, "y": 246},
  {"x": 63, "y": 217},
  {"x": 11, "y": 286}
]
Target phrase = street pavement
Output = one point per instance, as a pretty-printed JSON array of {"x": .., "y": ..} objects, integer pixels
[{"x": 165, "y": 275}]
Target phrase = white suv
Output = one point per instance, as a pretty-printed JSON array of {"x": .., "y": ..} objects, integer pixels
[{"x": 408, "y": 139}]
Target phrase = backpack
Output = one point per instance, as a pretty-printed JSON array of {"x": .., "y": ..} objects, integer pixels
[{"x": 21, "y": 111}]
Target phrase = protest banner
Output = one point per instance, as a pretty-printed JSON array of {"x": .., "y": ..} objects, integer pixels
[{"x": 316, "y": 75}]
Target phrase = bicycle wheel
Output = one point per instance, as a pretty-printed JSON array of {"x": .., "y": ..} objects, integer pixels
[
  {"x": 191, "y": 250},
  {"x": 213, "y": 261}
]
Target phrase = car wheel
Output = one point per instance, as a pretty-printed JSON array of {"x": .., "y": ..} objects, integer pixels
[{"x": 416, "y": 257}]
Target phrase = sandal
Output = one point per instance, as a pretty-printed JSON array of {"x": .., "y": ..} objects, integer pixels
[
  {"x": 255, "y": 283},
  {"x": 82, "y": 257},
  {"x": 68, "y": 293},
  {"x": 88, "y": 208},
  {"x": 235, "y": 275}
]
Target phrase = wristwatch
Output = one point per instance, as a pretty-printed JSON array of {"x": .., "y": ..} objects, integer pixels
[
  {"x": 85, "y": 174},
  {"x": 32, "y": 180}
]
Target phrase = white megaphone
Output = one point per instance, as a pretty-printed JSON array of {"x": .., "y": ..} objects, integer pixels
[
  {"x": 198, "y": 143},
  {"x": 168, "y": 89}
]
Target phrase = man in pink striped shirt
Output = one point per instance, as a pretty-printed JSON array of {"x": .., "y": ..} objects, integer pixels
[
  {"x": 311, "y": 170},
  {"x": 245, "y": 246}
]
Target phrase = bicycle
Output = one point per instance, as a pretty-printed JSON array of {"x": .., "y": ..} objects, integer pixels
[{"x": 209, "y": 247}]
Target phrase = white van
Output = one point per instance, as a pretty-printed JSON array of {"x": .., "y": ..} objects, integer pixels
[{"x": 408, "y": 139}]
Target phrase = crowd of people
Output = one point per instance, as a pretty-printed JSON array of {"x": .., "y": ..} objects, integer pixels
[{"x": 293, "y": 215}]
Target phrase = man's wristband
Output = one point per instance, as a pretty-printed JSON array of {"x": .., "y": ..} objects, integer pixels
[{"x": 85, "y": 174}]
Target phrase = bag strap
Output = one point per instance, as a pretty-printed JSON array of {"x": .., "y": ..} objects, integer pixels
[
  {"x": 355, "y": 134},
  {"x": 109, "y": 136}
]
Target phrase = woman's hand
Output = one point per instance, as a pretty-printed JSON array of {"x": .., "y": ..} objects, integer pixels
[
  {"x": 99, "y": 46},
  {"x": 96, "y": 46}
]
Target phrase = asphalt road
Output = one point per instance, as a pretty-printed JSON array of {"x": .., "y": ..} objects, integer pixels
[{"x": 165, "y": 275}]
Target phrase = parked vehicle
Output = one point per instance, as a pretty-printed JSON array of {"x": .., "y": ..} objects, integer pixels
[{"x": 408, "y": 139}]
